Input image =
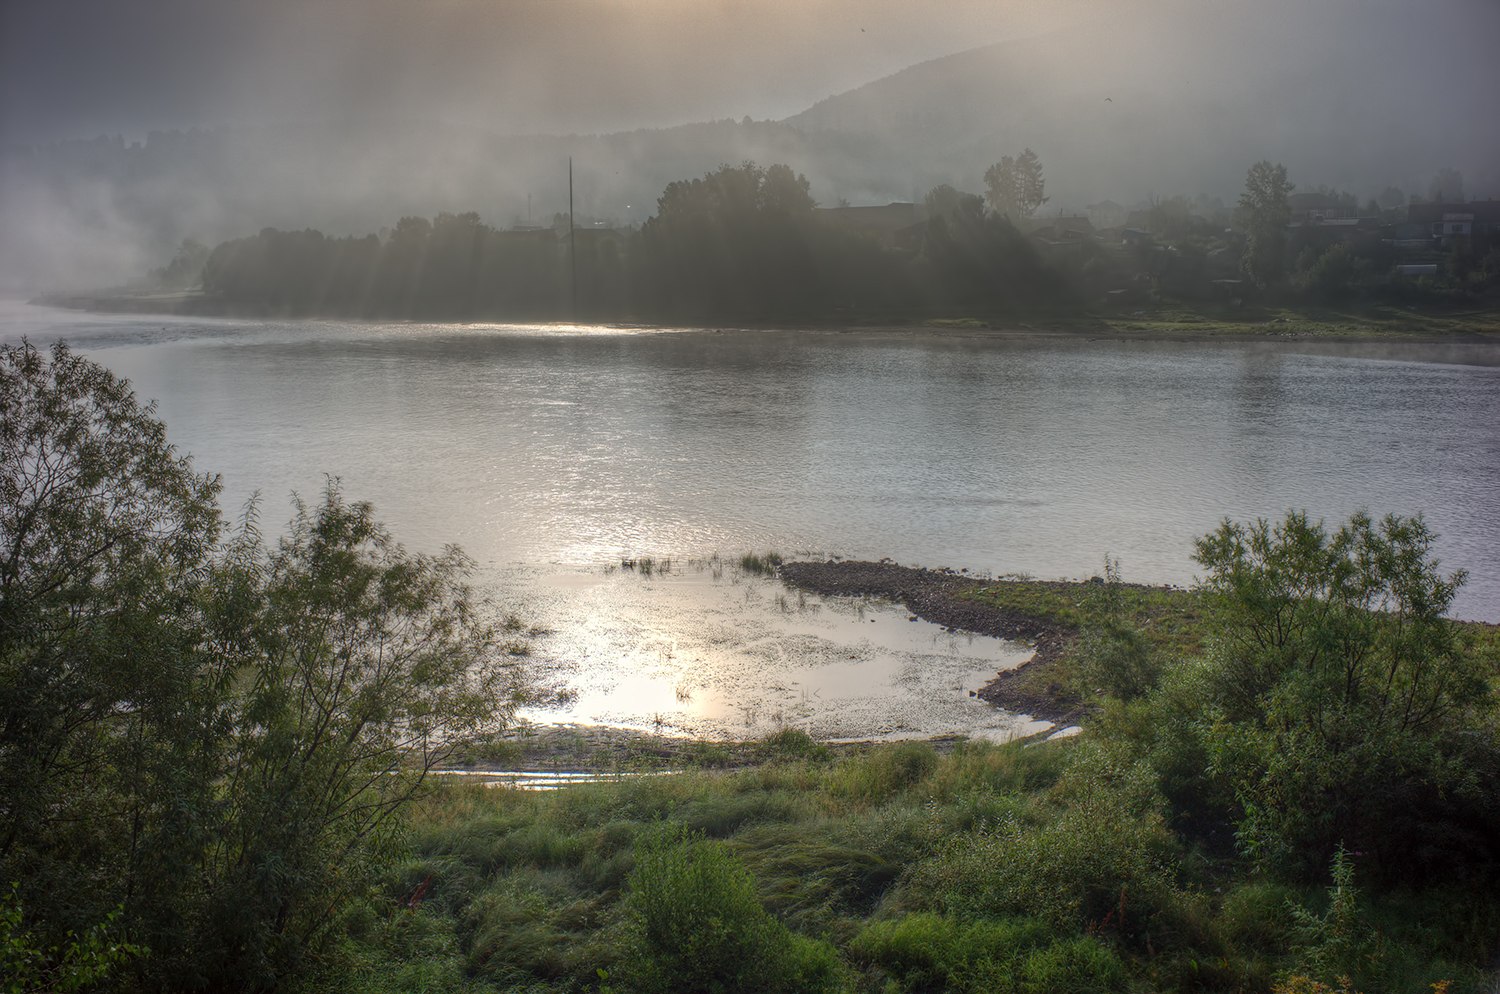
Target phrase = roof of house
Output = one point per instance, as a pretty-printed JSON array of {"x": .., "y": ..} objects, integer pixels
[{"x": 1487, "y": 211}]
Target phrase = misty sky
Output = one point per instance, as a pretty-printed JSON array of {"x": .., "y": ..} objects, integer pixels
[
  {"x": 77, "y": 68},
  {"x": 344, "y": 114}
]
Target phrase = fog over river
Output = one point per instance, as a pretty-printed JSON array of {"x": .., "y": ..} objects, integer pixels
[{"x": 550, "y": 454}]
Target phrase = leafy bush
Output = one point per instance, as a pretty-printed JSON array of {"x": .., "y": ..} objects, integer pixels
[
  {"x": 1342, "y": 696},
  {"x": 791, "y": 744},
  {"x": 699, "y": 926},
  {"x": 1256, "y": 917},
  {"x": 80, "y": 963},
  {"x": 929, "y": 952},
  {"x": 216, "y": 737},
  {"x": 1103, "y": 861},
  {"x": 1081, "y": 965},
  {"x": 882, "y": 773},
  {"x": 1116, "y": 660}
]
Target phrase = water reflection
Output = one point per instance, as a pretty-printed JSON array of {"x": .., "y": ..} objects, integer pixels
[
  {"x": 710, "y": 651},
  {"x": 575, "y": 447}
]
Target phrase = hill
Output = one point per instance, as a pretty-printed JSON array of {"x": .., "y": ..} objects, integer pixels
[{"x": 1354, "y": 95}]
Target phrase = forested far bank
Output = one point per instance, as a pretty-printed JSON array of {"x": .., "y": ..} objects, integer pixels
[{"x": 748, "y": 243}]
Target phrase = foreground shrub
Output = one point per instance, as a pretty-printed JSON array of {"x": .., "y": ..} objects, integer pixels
[
  {"x": 1078, "y": 966},
  {"x": 214, "y": 740},
  {"x": 699, "y": 926},
  {"x": 1342, "y": 697},
  {"x": 1103, "y": 861},
  {"x": 928, "y": 952},
  {"x": 791, "y": 744},
  {"x": 883, "y": 773}
]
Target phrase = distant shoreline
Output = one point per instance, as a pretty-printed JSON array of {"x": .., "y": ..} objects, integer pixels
[{"x": 1165, "y": 322}]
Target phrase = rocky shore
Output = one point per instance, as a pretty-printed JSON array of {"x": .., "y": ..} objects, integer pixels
[{"x": 938, "y": 596}]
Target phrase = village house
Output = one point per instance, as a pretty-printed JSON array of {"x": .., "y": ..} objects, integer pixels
[{"x": 1445, "y": 222}]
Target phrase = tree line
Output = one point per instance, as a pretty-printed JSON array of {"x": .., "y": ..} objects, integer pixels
[
  {"x": 744, "y": 241},
  {"x": 748, "y": 242}
]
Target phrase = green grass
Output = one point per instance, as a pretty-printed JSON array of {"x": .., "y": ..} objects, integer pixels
[
  {"x": 1171, "y": 617},
  {"x": 1101, "y": 863},
  {"x": 895, "y": 868},
  {"x": 1171, "y": 623}
]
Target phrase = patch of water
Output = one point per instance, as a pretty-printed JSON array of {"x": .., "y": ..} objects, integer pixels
[
  {"x": 713, "y": 652},
  {"x": 543, "y": 779}
]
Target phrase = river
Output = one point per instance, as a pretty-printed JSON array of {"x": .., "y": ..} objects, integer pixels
[{"x": 551, "y": 454}]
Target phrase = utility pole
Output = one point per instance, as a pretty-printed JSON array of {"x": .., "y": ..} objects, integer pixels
[{"x": 572, "y": 244}]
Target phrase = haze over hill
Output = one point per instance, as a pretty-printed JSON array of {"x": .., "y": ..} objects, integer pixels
[
  {"x": 1125, "y": 102},
  {"x": 1357, "y": 96}
]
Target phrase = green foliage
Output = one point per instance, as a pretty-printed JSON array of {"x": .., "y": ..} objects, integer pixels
[
  {"x": 106, "y": 692},
  {"x": 1257, "y": 917},
  {"x": 741, "y": 239},
  {"x": 1333, "y": 943},
  {"x": 791, "y": 744},
  {"x": 813, "y": 873},
  {"x": 881, "y": 773},
  {"x": 215, "y": 738},
  {"x": 1332, "y": 274},
  {"x": 1081, "y": 965},
  {"x": 79, "y": 963},
  {"x": 927, "y": 952},
  {"x": 1111, "y": 655},
  {"x": 1014, "y": 186},
  {"x": 1004, "y": 865},
  {"x": 970, "y": 258},
  {"x": 700, "y": 927},
  {"x": 1342, "y": 697},
  {"x": 389, "y": 948},
  {"x": 1264, "y": 212},
  {"x": 1101, "y": 861}
]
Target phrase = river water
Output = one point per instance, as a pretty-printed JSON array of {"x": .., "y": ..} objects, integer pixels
[{"x": 552, "y": 453}]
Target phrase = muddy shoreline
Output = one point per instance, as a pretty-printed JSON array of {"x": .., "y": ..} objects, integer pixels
[{"x": 938, "y": 596}]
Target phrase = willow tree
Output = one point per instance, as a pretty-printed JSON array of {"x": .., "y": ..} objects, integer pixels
[
  {"x": 1345, "y": 708},
  {"x": 206, "y": 744}
]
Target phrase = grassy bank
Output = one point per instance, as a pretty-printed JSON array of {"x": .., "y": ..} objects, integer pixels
[
  {"x": 1024, "y": 867},
  {"x": 1172, "y": 623}
]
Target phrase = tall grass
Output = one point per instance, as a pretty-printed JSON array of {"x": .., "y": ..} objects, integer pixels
[
  {"x": 897, "y": 868},
  {"x": 762, "y": 564}
]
